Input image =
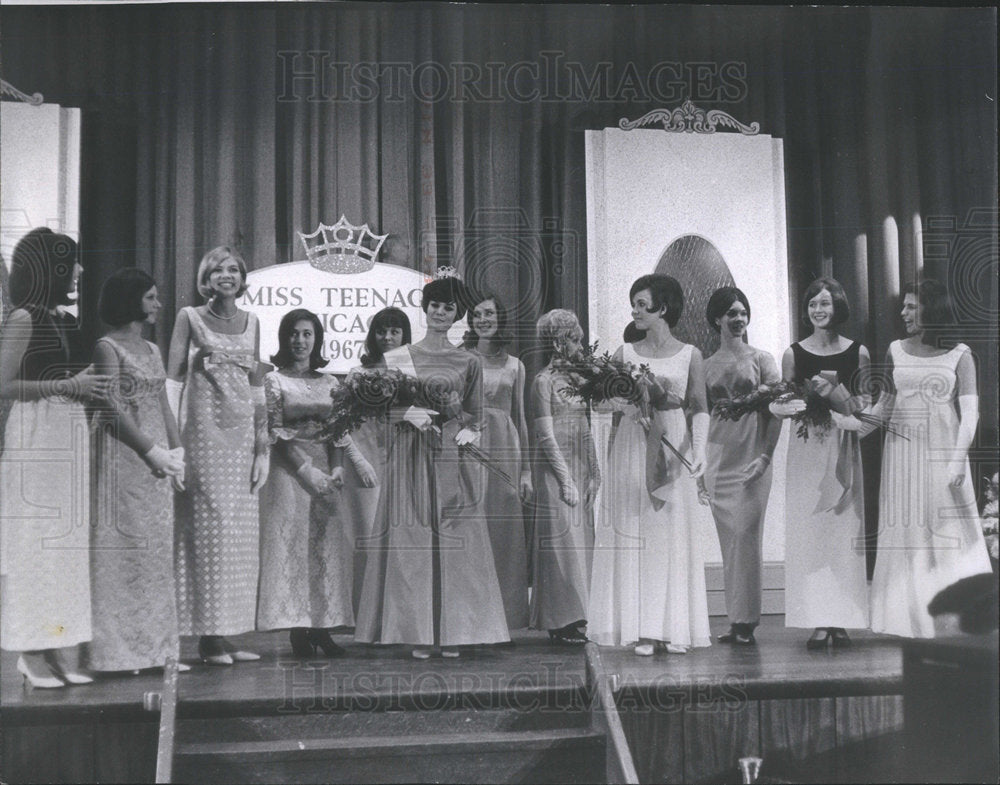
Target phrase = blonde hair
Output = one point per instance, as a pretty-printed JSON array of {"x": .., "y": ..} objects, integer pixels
[
  {"x": 211, "y": 261},
  {"x": 557, "y": 325}
]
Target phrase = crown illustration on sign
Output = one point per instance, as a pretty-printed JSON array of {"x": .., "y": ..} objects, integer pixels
[
  {"x": 447, "y": 272},
  {"x": 343, "y": 247}
]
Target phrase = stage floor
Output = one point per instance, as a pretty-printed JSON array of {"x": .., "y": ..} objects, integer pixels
[{"x": 531, "y": 669}]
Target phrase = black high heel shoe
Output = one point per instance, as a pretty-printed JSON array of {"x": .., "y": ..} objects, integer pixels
[
  {"x": 212, "y": 652},
  {"x": 839, "y": 638},
  {"x": 321, "y": 640},
  {"x": 302, "y": 645},
  {"x": 819, "y": 639},
  {"x": 739, "y": 634},
  {"x": 570, "y": 635}
]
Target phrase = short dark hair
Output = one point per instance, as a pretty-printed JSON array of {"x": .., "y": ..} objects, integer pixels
[
  {"x": 936, "y": 314},
  {"x": 841, "y": 309},
  {"x": 283, "y": 357},
  {"x": 665, "y": 293},
  {"x": 447, "y": 290},
  {"x": 121, "y": 296},
  {"x": 502, "y": 337},
  {"x": 387, "y": 317},
  {"x": 721, "y": 301},
  {"x": 41, "y": 268}
]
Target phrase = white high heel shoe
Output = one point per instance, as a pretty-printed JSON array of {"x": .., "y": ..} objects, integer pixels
[
  {"x": 40, "y": 681},
  {"x": 71, "y": 674}
]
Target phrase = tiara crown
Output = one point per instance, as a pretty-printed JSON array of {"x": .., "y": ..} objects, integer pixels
[{"x": 343, "y": 247}]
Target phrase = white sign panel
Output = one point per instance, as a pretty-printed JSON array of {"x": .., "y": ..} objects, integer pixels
[{"x": 344, "y": 302}]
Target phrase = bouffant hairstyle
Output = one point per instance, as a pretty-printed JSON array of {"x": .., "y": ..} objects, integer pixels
[
  {"x": 557, "y": 325},
  {"x": 41, "y": 269},
  {"x": 666, "y": 293},
  {"x": 121, "y": 296},
  {"x": 721, "y": 301},
  {"x": 384, "y": 319},
  {"x": 214, "y": 258},
  {"x": 502, "y": 336},
  {"x": 447, "y": 290},
  {"x": 283, "y": 358},
  {"x": 841, "y": 309},
  {"x": 936, "y": 314}
]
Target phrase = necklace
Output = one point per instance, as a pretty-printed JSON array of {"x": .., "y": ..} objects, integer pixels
[{"x": 223, "y": 318}]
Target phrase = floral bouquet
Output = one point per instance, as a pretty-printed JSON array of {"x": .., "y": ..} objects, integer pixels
[
  {"x": 990, "y": 515},
  {"x": 597, "y": 379}
]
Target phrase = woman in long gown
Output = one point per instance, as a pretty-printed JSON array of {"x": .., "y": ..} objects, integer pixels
[
  {"x": 738, "y": 460},
  {"x": 213, "y": 362},
  {"x": 306, "y": 553},
  {"x": 930, "y": 533},
  {"x": 649, "y": 577},
  {"x": 140, "y": 464},
  {"x": 389, "y": 329},
  {"x": 44, "y": 503},
  {"x": 567, "y": 480},
  {"x": 825, "y": 579},
  {"x": 507, "y": 444},
  {"x": 429, "y": 578}
]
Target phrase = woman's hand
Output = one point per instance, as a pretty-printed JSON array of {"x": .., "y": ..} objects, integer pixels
[
  {"x": 466, "y": 436},
  {"x": 259, "y": 472},
  {"x": 88, "y": 386},
  {"x": 177, "y": 477},
  {"x": 590, "y": 495},
  {"x": 419, "y": 417},
  {"x": 821, "y": 385},
  {"x": 846, "y": 422},
  {"x": 786, "y": 409},
  {"x": 756, "y": 468},
  {"x": 956, "y": 472},
  {"x": 336, "y": 478},
  {"x": 166, "y": 463},
  {"x": 527, "y": 489},
  {"x": 704, "y": 497},
  {"x": 569, "y": 494},
  {"x": 366, "y": 473},
  {"x": 697, "y": 463}
]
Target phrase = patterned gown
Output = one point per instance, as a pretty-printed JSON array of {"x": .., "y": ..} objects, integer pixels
[
  {"x": 217, "y": 531},
  {"x": 649, "y": 574},
  {"x": 305, "y": 553},
  {"x": 930, "y": 534},
  {"x": 45, "y": 507},
  {"x": 429, "y": 577},
  {"x": 132, "y": 555},
  {"x": 738, "y": 507},
  {"x": 504, "y": 514},
  {"x": 563, "y": 535}
]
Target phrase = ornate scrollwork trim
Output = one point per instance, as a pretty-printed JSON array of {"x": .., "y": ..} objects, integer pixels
[
  {"x": 688, "y": 118},
  {"x": 7, "y": 89}
]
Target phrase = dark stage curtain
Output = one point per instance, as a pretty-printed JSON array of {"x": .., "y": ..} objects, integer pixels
[{"x": 195, "y": 135}]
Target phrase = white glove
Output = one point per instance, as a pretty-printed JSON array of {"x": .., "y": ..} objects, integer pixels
[
  {"x": 419, "y": 417},
  {"x": 786, "y": 409},
  {"x": 165, "y": 462},
  {"x": 174, "y": 391},
  {"x": 846, "y": 423},
  {"x": 318, "y": 483}
]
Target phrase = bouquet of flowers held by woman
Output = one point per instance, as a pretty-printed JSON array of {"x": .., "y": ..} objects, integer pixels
[
  {"x": 597, "y": 379},
  {"x": 821, "y": 397},
  {"x": 370, "y": 394}
]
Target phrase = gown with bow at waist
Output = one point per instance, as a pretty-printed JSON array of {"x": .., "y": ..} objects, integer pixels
[
  {"x": 649, "y": 574},
  {"x": 825, "y": 578}
]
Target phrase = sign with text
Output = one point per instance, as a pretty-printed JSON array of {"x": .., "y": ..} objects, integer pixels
[{"x": 344, "y": 302}]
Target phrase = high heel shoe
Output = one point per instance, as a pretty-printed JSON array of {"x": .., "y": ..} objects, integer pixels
[
  {"x": 645, "y": 649},
  {"x": 302, "y": 644},
  {"x": 69, "y": 673},
  {"x": 450, "y": 652},
  {"x": 321, "y": 640},
  {"x": 38, "y": 680},
  {"x": 571, "y": 635},
  {"x": 211, "y": 651},
  {"x": 739, "y": 634},
  {"x": 839, "y": 638},
  {"x": 238, "y": 655},
  {"x": 421, "y": 654},
  {"x": 819, "y": 639}
]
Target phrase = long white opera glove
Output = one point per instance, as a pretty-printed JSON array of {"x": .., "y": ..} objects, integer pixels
[
  {"x": 699, "y": 438},
  {"x": 419, "y": 417},
  {"x": 174, "y": 392},
  {"x": 365, "y": 471}
]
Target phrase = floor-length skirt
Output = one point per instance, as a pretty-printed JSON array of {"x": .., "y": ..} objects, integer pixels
[
  {"x": 358, "y": 506},
  {"x": 825, "y": 579},
  {"x": 429, "y": 576},
  {"x": 44, "y": 514},
  {"x": 649, "y": 576}
]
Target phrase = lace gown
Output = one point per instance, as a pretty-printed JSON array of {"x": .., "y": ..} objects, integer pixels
[
  {"x": 649, "y": 575},
  {"x": 132, "y": 555},
  {"x": 563, "y": 536},
  {"x": 930, "y": 534},
  {"x": 504, "y": 514},
  {"x": 218, "y": 534},
  {"x": 738, "y": 508},
  {"x": 306, "y": 556},
  {"x": 429, "y": 576},
  {"x": 45, "y": 507}
]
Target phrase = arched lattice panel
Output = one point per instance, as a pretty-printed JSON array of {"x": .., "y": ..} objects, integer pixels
[{"x": 700, "y": 269}]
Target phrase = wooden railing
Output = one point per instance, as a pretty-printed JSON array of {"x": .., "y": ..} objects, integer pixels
[
  {"x": 168, "y": 723},
  {"x": 604, "y": 714}
]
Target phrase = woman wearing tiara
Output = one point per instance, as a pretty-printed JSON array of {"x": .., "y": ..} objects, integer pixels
[
  {"x": 825, "y": 579},
  {"x": 567, "y": 479},
  {"x": 649, "y": 578},
  {"x": 507, "y": 444},
  {"x": 429, "y": 578},
  {"x": 389, "y": 329},
  {"x": 930, "y": 534},
  {"x": 213, "y": 361}
]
